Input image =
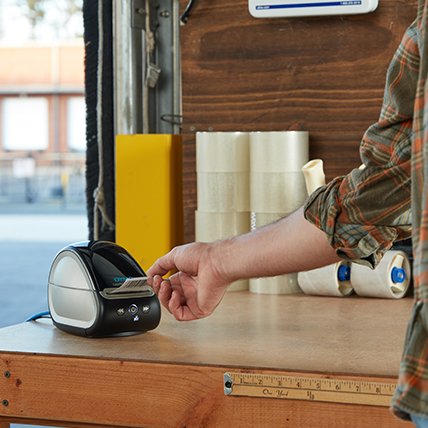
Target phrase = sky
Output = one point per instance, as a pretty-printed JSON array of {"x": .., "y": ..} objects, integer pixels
[{"x": 15, "y": 27}]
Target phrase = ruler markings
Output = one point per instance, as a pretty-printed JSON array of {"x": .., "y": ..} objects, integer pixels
[
  {"x": 309, "y": 388},
  {"x": 376, "y": 394}
]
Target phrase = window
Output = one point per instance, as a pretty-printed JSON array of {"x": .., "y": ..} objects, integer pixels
[
  {"x": 76, "y": 129},
  {"x": 25, "y": 123}
]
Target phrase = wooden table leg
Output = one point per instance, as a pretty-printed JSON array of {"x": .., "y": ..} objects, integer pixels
[{"x": 4, "y": 425}]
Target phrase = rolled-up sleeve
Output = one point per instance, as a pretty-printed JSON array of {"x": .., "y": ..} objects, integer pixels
[{"x": 364, "y": 212}]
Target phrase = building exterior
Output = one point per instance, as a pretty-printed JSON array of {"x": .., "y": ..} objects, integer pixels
[{"x": 42, "y": 119}]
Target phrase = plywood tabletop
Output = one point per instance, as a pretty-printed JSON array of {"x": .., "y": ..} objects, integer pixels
[{"x": 316, "y": 334}]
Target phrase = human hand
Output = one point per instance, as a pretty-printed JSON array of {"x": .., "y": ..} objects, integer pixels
[{"x": 197, "y": 287}]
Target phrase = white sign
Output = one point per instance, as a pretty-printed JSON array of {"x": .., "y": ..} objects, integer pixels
[{"x": 299, "y": 8}]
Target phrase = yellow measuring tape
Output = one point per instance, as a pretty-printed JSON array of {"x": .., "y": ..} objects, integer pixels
[{"x": 309, "y": 388}]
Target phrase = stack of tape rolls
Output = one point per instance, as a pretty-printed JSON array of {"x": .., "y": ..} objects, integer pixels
[
  {"x": 222, "y": 167},
  {"x": 277, "y": 188}
]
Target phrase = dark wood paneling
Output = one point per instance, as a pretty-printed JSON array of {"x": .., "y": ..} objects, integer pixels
[{"x": 325, "y": 75}]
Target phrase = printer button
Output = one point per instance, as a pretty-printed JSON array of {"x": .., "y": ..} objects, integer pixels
[
  {"x": 145, "y": 309},
  {"x": 133, "y": 309},
  {"x": 121, "y": 311}
]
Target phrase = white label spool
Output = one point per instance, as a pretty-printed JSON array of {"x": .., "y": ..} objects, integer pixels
[
  {"x": 380, "y": 282},
  {"x": 327, "y": 281}
]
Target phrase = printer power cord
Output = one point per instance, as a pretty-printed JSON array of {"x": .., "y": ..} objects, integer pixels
[{"x": 45, "y": 314}]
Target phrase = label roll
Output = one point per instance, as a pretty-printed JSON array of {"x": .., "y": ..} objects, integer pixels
[
  {"x": 278, "y": 151},
  {"x": 332, "y": 280},
  {"x": 282, "y": 284},
  {"x": 277, "y": 192},
  {"x": 390, "y": 279},
  {"x": 222, "y": 152},
  {"x": 223, "y": 191}
]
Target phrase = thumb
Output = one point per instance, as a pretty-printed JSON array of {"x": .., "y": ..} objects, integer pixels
[{"x": 162, "y": 265}]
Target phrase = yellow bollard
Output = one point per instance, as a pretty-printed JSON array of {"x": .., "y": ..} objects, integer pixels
[{"x": 149, "y": 207}]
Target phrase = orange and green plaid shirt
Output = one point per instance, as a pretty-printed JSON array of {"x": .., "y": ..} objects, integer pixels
[{"x": 364, "y": 212}]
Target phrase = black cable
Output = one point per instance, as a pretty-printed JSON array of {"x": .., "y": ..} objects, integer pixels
[{"x": 186, "y": 14}]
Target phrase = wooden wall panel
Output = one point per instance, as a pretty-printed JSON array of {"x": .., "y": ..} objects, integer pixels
[{"x": 325, "y": 75}]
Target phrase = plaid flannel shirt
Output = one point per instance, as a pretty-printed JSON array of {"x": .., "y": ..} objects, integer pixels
[{"x": 364, "y": 212}]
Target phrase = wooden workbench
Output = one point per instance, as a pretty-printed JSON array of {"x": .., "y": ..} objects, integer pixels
[{"x": 173, "y": 376}]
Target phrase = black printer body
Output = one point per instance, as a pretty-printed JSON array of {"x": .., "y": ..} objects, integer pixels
[{"x": 85, "y": 297}]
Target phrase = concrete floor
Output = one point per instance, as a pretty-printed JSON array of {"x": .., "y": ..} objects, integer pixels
[{"x": 29, "y": 239}]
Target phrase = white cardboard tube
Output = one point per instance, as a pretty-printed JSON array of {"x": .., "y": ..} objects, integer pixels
[
  {"x": 222, "y": 152},
  {"x": 282, "y": 284},
  {"x": 277, "y": 191},
  {"x": 278, "y": 151},
  {"x": 223, "y": 191},
  {"x": 378, "y": 282},
  {"x": 325, "y": 281},
  {"x": 313, "y": 172}
]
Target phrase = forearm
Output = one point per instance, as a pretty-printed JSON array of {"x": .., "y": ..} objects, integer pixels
[{"x": 289, "y": 245}]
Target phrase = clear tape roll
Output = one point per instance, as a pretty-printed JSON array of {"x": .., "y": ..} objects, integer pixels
[
  {"x": 282, "y": 284},
  {"x": 262, "y": 219},
  {"x": 314, "y": 175},
  {"x": 278, "y": 151},
  {"x": 277, "y": 192},
  {"x": 240, "y": 285},
  {"x": 390, "y": 279},
  {"x": 223, "y": 191},
  {"x": 222, "y": 152},
  {"x": 332, "y": 280},
  {"x": 211, "y": 226}
]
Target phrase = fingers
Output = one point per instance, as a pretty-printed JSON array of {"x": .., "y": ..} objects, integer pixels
[
  {"x": 155, "y": 282},
  {"x": 162, "y": 265},
  {"x": 179, "y": 309},
  {"x": 164, "y": 292},
  {"x": 172, "y": 296}
]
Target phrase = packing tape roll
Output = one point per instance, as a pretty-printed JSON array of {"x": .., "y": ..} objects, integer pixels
[
  {"x": 332, "y": 280},
  {"x": 223, "y": 191},
  {"x": 262, "y": 219},
  {"x": 314, "y": 175},
  {"x": 211, "y": 226},
  {"x": 240, "y": 285},
  {"x": 222, "y": 152},
  {"x": 282, "y": 284},
  {"x": 277, "y": 192},
  {"x": 389, "y": 280},
  {"x": 278, "y": 151}
]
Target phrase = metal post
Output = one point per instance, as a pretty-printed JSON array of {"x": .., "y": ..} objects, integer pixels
[
  {"x": 164, "y": 101},
  {"x": 168, "y": 91},
  {"x": 127, "y": 53}
]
